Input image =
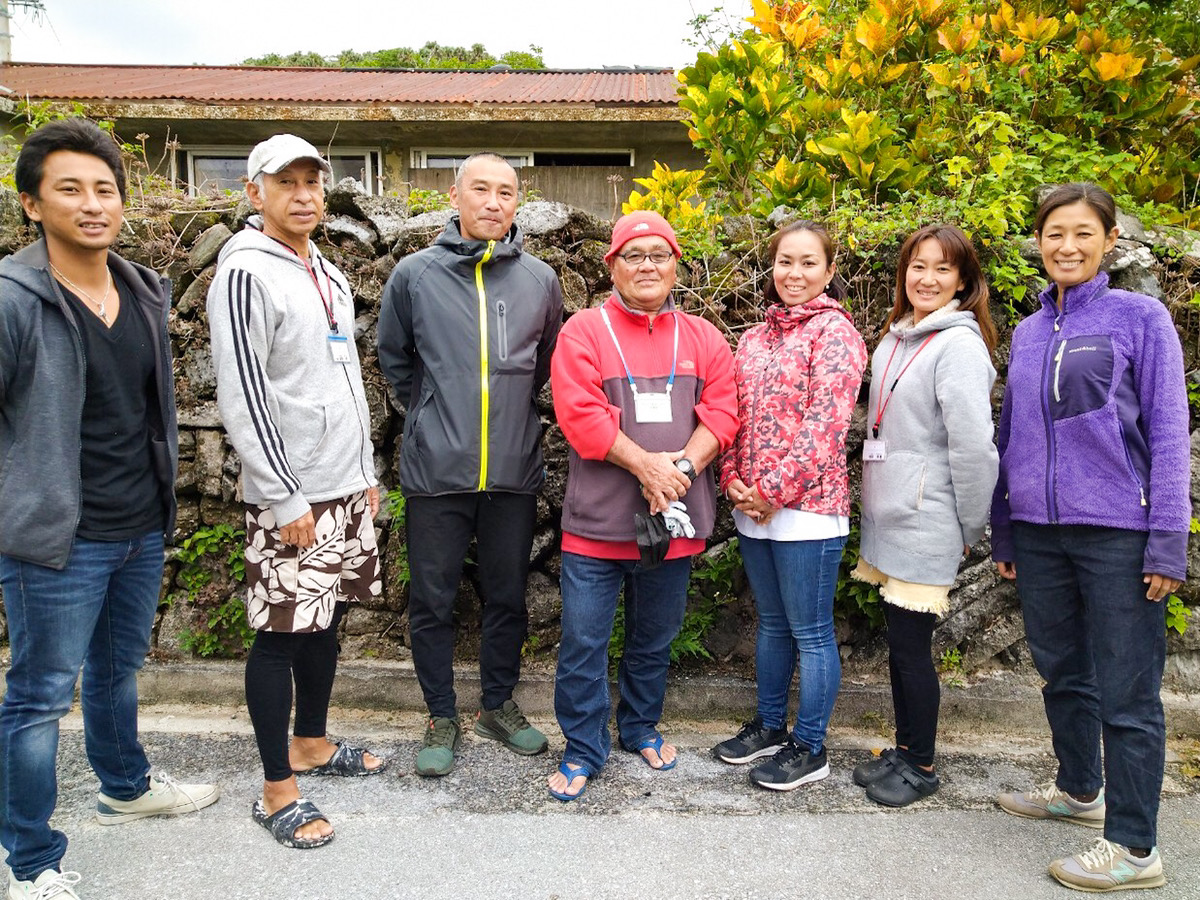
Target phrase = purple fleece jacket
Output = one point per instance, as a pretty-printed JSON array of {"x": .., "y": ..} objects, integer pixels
[{"x": 1094, "y": 429}]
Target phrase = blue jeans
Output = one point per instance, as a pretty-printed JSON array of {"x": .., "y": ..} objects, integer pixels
[
  {"x": 794, "y": 583},
  {"x": 655, "y": 600},
  {"x": 96, "y": 614},
  {"x": 1100, "y": 645}
]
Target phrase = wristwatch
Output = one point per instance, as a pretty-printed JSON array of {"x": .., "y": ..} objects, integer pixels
[{"x": 685, "y": 466}]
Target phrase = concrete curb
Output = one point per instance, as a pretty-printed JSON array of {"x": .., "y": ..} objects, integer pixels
[{"x": 1001, "y": 703}]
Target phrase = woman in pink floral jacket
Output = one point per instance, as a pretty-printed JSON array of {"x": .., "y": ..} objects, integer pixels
[{"x": 798, "y": 377}]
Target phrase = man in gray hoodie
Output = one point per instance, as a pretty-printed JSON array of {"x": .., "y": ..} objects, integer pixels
[
  {"x": 290, "y": 392},
  {"x": 89, "y": 450}
]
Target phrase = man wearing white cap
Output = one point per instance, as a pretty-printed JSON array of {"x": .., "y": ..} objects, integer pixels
[{"x": 290, "y": 392}]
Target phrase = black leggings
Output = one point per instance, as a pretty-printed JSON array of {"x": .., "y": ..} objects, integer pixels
[
  {"x": 276, "y": 658},
  {"x": 916, "y": 692}
]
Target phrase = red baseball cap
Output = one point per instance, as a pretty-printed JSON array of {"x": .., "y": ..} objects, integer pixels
[{"x": 641, "y": 223}]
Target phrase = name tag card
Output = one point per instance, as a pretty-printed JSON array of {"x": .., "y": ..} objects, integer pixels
[
  {"x": 339, "y": 348},
  {"x": 874, "y": 450},
  {"x": 652, "y": 407}
]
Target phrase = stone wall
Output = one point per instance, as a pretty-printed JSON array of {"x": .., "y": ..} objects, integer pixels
[{"x": 364, "y": 236}]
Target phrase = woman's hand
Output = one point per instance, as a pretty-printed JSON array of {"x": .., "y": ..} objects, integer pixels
[
  {"x": 750, "y": 501},
  {"x": 1007, "y": 570},
  {"x": 1160, "y": 586}
]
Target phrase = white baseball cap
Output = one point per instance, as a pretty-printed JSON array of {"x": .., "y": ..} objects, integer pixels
[{"x": 277, "y": 153}]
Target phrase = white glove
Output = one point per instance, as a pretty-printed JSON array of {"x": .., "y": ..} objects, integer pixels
[{"x": 679, "y": 523}]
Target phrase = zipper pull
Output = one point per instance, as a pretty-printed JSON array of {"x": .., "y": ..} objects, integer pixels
[
  {"x": 1057, "y": 369},
  {"x": 1142, "y": 492}
]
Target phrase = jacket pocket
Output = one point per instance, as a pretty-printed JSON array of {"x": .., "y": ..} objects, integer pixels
[
  {"x": 1082, "y": 375},
  {"x": 894, "y": 490},
  {"x": 502, "y": 331}
]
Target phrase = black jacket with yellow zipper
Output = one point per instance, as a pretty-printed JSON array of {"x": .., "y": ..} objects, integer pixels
[{"x": 466, "y": 329}]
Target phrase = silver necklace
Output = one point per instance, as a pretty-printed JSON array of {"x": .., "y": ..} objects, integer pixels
[{"x": 101, "y": 311}]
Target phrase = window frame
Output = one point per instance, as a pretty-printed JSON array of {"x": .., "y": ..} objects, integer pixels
[{"x": 372, "y": 158}]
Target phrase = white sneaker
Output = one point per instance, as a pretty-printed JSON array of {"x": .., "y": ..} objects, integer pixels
[
  {"x": 49, "y": 884},
  {"x": 165, "y": 797},
  {"x": 1106, "y": 866}
]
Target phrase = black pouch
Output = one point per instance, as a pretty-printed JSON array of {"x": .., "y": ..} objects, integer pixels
[{"x": 653, "y": 539}]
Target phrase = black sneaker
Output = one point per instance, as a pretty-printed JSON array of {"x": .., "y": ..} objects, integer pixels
[
  {"x": 878, "y": 767},
  {"x": 790, "y": 768},
  {"x": 753, "y": 742}
]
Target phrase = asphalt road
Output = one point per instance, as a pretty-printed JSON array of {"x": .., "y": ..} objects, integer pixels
[{"x": 490, "y": 830}]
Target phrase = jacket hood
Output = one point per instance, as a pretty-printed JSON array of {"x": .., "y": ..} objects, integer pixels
[
  {"x": 30, "y": 268},
  {"x": 783, "y": 318},
  {"x": 1078, "y": 295},
  {"x": 451, "y": 237},
  {"x": 948, "y": 316},
  {"x": 252, "y": 237}
]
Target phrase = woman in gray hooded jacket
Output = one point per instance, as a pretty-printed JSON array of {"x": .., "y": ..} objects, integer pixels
[{"x": 929, "y": 468}]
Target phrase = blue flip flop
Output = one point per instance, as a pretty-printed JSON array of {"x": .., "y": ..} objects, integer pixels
[
  {"x": 571, "y": 774},
  {"x": 653, "y": 741}
]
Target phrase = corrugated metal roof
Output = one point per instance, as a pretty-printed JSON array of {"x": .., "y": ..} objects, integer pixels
[{"x": 245, "y": 84}]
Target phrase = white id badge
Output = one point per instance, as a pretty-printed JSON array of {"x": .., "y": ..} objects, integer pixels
[
  {"x": 874, "y": 450},
  {"x": 652, "y": 407},
  {"x": 339, "y": 348}
]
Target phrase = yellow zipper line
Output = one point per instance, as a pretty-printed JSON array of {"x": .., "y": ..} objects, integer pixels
[{"x": 484, "y": 397}]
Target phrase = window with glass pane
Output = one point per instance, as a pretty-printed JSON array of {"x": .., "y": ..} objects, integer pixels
[{"x": 223, "y": 173}]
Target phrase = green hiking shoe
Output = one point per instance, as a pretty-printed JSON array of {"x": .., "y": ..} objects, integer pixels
[
  {"x": 510, "y": 727},
  {"x": 442, "y": 738}
]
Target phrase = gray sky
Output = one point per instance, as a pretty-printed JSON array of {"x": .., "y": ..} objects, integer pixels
[{"x": 222, "y": 32}]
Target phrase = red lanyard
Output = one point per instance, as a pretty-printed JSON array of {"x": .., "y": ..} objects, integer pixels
[
  {"x": 328, "y": 304},
  {"x": 883, "y": 401}
]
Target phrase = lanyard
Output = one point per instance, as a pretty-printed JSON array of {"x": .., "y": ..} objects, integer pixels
[
  {"x": 883, "y": 401},
  {"x": 620, "y": 353},
  {"x": 327, "y": 305}
]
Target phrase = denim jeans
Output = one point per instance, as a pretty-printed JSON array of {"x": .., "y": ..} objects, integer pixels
[
  {"x": 655, "y": 600},
  {"x": 794, "y": 583},
  {"x": 97, "y": 614},
  {"x": 1100, "y": 645}
]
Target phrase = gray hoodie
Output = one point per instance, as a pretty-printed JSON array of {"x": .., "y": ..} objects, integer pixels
[
  {"x": 298, "y": 419},
  {"x": 933, "y": 493}
]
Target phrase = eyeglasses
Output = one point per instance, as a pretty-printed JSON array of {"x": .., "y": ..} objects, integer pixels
[{"x": 637, "y": 257}]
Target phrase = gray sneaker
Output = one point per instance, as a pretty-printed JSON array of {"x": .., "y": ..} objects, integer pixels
[
  {"x": 1048, "y": 802},
  {"x": 510, "y": 727},
  {"x": 442, "y": 737},
  {"x": 50, "y": 885},
  {"x": 164, "y": 797},
  {"x": 1106, "y": 866}
]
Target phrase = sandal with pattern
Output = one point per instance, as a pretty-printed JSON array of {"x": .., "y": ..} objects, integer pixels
[
  {"x": 347, "y": 762},
  {"x": 284, "y": 823}
]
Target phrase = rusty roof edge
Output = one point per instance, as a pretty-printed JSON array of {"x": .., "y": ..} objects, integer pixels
[{"x": 379, "y": 111}]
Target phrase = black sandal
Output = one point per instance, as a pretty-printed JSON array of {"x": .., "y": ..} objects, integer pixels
[
  {"x": 347, "y": 762},
  {"x": 284, "y": 823}
]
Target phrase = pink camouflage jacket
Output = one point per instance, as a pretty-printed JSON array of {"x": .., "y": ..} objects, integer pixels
[{"x": 798, "y": 376}]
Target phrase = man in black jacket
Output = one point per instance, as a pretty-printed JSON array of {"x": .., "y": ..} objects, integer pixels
[
  {"x": 88, "y": 439},
  {"x": 466, "y": 331}
]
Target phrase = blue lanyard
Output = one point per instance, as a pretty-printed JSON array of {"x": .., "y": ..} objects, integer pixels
[{"x": 620, "y": 353}]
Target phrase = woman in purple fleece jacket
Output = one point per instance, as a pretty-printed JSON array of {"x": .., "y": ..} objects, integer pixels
[{"x": 1091, "y": 516}]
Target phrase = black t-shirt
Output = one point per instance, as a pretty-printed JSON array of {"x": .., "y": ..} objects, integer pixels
[{"x": 121, "y": 494}]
